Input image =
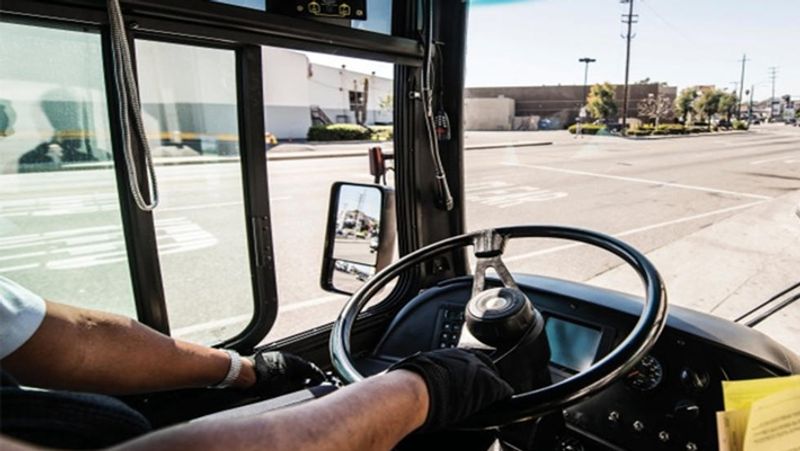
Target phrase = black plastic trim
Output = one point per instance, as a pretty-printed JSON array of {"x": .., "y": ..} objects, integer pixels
[
  {"x": 201, "y": 19},
  {"x": 253, "y": 151}
]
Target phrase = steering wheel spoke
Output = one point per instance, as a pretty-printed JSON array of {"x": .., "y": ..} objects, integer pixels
[{"x": 489, "y": 247}]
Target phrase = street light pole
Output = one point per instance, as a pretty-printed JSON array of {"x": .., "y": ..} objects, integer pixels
[{"x": 586, "y": 61}]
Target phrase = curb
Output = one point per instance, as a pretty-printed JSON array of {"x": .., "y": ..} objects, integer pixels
[{"x": 688, "y": 135}]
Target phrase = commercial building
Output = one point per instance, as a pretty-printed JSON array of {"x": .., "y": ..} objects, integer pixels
[{"x": 546, "y": 106}]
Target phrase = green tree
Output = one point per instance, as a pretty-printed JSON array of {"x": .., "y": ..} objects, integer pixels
[
  {"x": 600, "y": 101},
  {"x": 707, "y": 105},
  {"x": 684, "y": 101},
  {"x": 728, "y": 104}
]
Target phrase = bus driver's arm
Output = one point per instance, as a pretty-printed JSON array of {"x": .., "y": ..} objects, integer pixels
[
  {"x": 87, "y": 350},
  {"x": 427, "y": 392}
]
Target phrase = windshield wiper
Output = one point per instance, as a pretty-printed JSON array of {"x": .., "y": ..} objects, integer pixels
[{"x": 776, "y": 303}]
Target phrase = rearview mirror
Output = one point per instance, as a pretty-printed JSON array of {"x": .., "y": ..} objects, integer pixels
[{"x": 360, "y": 236}]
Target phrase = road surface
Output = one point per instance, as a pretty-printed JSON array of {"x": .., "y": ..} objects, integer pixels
[{"x": 60, "y": 232}]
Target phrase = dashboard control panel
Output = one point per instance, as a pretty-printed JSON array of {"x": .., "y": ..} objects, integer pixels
[
  {"x": 448, "y": 326},
  {"x": 667, "y": 401}
]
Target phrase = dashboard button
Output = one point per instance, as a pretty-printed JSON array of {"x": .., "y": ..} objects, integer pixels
[
  {"x": 613, "y": 416},
  {"x": 638, "y": 426},
  {"x": 690, "y": 446},
  {"x": 663, "y": 436}
]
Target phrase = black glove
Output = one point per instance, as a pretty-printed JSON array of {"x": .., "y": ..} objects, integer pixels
[
  {"x": 278, "y": 373},
  {"x": 460, "y": 382}
]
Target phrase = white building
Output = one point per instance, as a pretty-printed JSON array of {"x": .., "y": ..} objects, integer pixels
[{"x": 188, "y": 95}]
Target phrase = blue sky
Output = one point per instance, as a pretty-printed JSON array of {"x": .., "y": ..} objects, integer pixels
[{"x": 681, "y": 42}]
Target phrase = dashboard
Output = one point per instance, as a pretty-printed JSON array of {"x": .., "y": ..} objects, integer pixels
[{"x": 667, "y": 402}]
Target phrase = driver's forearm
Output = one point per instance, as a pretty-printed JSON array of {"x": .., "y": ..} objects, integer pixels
[
  {"x": 372, "y": 415},
  {"x": 88, "y": 350}
]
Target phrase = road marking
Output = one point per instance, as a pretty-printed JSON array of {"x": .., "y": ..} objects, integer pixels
[
  {"x": 200, "y": 206},
  {"x": 59, "y": 205},
  {"x": 312, "y": 303},
  {"x": 202, "y": 327},
  {"x": 640, "y": 180},
  {"x": 785, "y": 159},
  {"x": 9, "y": 269},
  {"x": 504, "y": 195},
  {"x": 220, "y": 323},
  {"x": 100, "y": 245},
  {"x": 210, "y": 325},
  {"x": 636, "y": 230}
]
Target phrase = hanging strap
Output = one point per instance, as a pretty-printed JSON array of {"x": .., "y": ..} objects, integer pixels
[{"x": 130, "y": 110}]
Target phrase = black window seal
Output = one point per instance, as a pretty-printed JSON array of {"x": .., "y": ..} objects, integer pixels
[
  {"x": 255, "y": 181},
  {"x": 138, "y": 225}
]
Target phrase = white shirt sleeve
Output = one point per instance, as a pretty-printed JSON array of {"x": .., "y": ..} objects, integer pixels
[{"x": 21, "y": 314}]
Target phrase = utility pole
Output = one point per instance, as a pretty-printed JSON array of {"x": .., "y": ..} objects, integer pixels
[
  {"x": 741, "y": 89},
  {"x": 750, "y": 109},
  {"x": 773, "y": 73},
  {"x": 585, "y": 60},
  {"x": 628, "y": 19}
]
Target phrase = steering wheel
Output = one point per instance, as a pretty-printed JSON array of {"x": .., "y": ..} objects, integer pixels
[{"x": 488, "y": 249}]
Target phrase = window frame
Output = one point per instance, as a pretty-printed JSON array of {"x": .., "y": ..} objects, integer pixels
[{"x": 243, "y": 31}]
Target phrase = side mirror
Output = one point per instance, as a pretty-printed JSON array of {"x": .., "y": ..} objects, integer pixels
[{"x": 360, "y": 236}]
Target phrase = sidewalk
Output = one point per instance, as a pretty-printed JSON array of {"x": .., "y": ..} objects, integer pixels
[
  {"x": 731, "y": 266},
  {"x": 334, "y": 150}
]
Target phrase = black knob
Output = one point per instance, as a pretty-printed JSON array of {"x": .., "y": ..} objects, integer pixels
[
  {"x": 694, "y": 381},
  {"x": 500, "y": 316},
  {"x": 686, "y": 410}
]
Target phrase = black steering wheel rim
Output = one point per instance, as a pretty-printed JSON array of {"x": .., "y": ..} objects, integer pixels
[{"x": 524, "y": 406}]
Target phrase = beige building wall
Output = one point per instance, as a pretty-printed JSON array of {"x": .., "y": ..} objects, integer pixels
[{"x": 489, "y": 114}]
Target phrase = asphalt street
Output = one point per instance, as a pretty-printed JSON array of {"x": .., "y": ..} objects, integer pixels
[{"x": 60, "y": 232}]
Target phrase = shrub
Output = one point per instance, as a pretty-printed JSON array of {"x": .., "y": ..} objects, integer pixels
[
  {"x": 382, "y": 132},
  {"x": 587, "y": 129},
  {"x": 662, "y": 131},
  {"x": 640, "y": 132},
  {"x": 671, "y": 129},
  {"x": 740, "y": 125},
  {"x": 696, "y": 129},
  {"x": 338, "y": 132}
]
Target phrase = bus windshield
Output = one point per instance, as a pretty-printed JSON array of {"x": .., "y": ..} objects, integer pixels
[{"x": 698, "y": 168}]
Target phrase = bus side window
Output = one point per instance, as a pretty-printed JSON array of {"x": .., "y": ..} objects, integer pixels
[{"x": 60, "y": 225}]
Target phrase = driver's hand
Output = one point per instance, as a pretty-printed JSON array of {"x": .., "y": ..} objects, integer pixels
[
  {"x": 278, "y": 373},
  {"x": 460, "y": 382}
]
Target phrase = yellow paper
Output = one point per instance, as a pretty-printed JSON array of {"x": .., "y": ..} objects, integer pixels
[
  {"x": 774, "y": 423},
  {"x": 741, "y": 394},
  {"x": 731, "y": 427}
]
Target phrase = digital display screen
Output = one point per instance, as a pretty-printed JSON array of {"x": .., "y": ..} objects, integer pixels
[{"x": 571, "y": 345}]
